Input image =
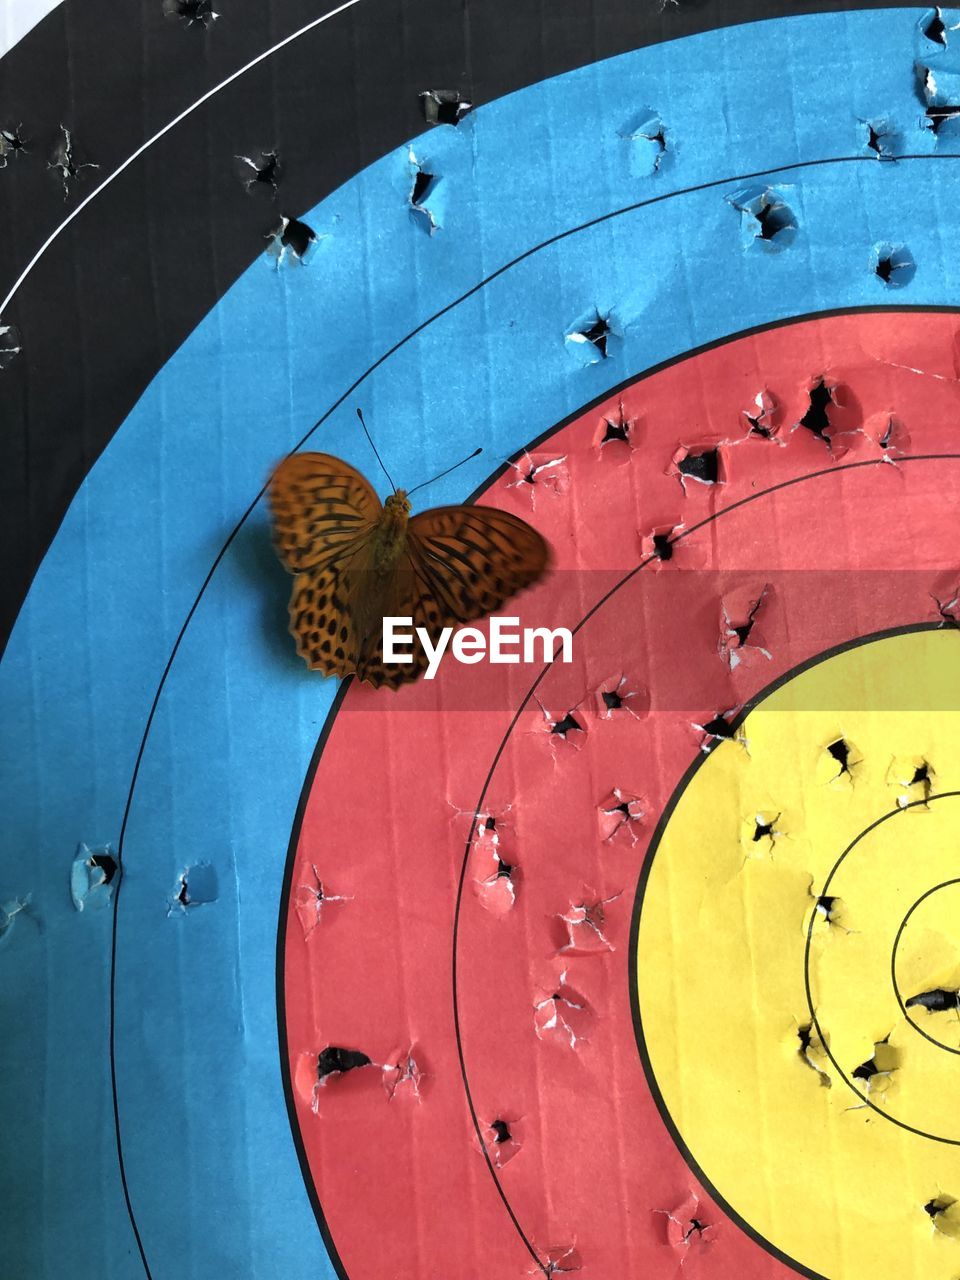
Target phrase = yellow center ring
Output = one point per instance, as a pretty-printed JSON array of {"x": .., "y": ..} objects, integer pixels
[{"x": 798, "y": 959}]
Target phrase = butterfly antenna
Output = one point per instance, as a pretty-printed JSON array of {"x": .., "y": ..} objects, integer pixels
[
  {"x": 445, "y": 473},
  {"x": 374, "y": 448}
]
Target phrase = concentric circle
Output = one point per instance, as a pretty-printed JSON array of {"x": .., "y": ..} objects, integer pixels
[
  {"x": 503, "y": 1123},
  {"x": 764, "y": 1001},
  {"x": 540, "y": 1024},
  {"x": 896, "y": 861},
  {"x": 925, "y": 965}
]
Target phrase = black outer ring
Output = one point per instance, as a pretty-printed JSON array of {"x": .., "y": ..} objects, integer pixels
[
  {"x": 893, "y": 966},
  {"x": 134, "y": 275}
]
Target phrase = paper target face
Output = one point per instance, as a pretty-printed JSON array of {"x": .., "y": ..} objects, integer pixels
[
  {"x": 759, "y": 959},
  {"x": 641, "y": 963}
]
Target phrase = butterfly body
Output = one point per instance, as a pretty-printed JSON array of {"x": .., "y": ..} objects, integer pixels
[
  {"x": 390, "y": 539},
  {"x": 357, "y": 561}
]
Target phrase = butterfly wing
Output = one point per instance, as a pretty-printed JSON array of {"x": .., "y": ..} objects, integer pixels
[
  {"x": 407, "y": 596},
  {"x": 460, "y": 563},
  {"x": 470, "y": 560},
  {"x": 321, "y": 618},
  {"x": 323, "y": 510},
  {"x": 324, "y": 517},
  {"x": 337, "y": 612}
]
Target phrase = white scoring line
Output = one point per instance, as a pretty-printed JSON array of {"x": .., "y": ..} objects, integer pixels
[{"x": 235, "y": 75}]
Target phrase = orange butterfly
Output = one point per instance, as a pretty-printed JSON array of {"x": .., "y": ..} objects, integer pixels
[{"x": 357, "y": 561}]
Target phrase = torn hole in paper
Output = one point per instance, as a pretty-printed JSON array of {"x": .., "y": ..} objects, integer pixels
[
  {"x": 766, "y": 220},
  {"x": 560, "y": 1014},
  {"x": 700, "y": 463},
  {"x": 260, "y": 174},
  {"x": 687, "y": 1226},
  {"x": 443, "y": 106},
  {"x": 196, "y": 887},
  {"x": 539, "y": 474},
  {"x": 314, "y": 900},
  {"x": 10, "y": 344},
  {"x": 191, "y": 12},
  {"x": 65, "y": 159},
  {"x": 291, "y": 241},
  {"x": 740, "y": 640},
  {"x": 584, "y": 924},
  {"x": 620, "y": 816},
  {"x": 94, "y": 874}
]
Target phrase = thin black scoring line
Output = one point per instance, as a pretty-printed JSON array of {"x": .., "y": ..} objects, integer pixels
[
  {"x": 283, "y": 916},
  {"x": 258, "y": 60},
  {"x": 391, "y": 351},
  {"x": 632, "y": 974},
  {"x": 113, "y": 1070},
  {"x": 920, "y": 1133},
  {"x": 944, "y": 884},
  {"x": 327, "y": 727},
  {"x": 680, "y": 536}
]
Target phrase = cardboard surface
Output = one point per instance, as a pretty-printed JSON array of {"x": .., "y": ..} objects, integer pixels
[{"x": 154, "y": 712}]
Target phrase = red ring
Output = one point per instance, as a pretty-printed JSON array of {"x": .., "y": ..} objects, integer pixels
[{"x": 393, "y": 1154}]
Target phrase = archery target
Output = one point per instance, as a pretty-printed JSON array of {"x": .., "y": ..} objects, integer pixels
[
  {"x": 542, "y": 1028},
  {"x": 186, "y": 735}
]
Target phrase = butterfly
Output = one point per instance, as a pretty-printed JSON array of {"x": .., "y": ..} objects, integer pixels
[{"x": 357, "y": 561}]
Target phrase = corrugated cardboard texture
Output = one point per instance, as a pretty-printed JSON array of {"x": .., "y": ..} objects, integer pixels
[{"x": 152, "y": 706}]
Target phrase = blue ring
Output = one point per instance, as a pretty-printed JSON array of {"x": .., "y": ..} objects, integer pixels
[{"x": 196, "y": 1038}]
